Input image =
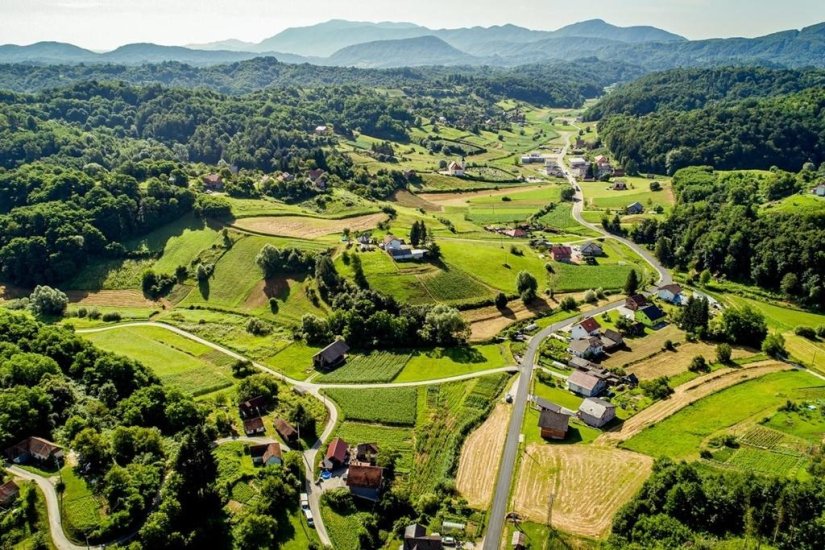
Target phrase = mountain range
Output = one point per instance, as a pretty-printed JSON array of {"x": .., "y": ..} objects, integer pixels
[{"x": 384, "y": 45}]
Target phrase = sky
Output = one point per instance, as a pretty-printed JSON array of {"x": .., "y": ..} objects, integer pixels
[{"x": 106, "y": 24}]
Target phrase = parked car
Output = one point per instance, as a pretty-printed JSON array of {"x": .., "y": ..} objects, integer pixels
[
  {"x": 448, "y": 541},
  {"x": 304, "y": 502},
  {"x": 310, "y": 519}
]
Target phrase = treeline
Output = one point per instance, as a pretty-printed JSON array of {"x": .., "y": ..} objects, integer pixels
[
  {"x": 557, "y": 84},
  {"x": 719, "y": 224},
  {"x": 52, "y": 219},
  {"x": 785, "y": 131},
  {"x": 689, "y": 89},
  {"x": 682, "y": 506}
]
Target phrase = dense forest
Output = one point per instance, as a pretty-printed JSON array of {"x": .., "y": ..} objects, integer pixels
[
  {"x": 555, "y": 84},
  {"x": 682, "y": 505},
  {"x": 721, "y": 223},
  {"x": 688, "y": 89},
  {"x": 729, "y": 118}
]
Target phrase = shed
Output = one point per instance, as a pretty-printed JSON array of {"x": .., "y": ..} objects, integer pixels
[
  {"x": 553, "y": 424},
  {"x": 331, "y": 356},
  {"x": 8, "y": 493},
  {"x": 285, "y": 430}
]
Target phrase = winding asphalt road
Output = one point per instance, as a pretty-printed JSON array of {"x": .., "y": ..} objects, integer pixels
[{"x": 501, "y": 499}]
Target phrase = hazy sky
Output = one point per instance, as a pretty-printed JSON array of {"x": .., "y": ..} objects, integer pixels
[{"x": 104, "y": 24}]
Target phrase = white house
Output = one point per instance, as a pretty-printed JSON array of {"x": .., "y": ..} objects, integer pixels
[
  {"x": 391, "y": 242},
  {"x": 455, "y": 169},
  {"x": 596, "y": 412},
  {"x": 585, "y": 384},
  {"x": 670, "y": 293},
  {"x": 586, "y": 347},
  {"x": 532, "y": 158},
  {"x": 586, "y": 328},
  {"x": 579, "y": 166}
]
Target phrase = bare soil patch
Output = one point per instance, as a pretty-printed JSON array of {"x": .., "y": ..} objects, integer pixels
[
  {"x": 307, "y": 228},
  {"x": 588, "y": 485},
  {"x": 266, "y": 289},
  {"x": 480, "y": 457},
  {"x": 686, "y": 394},
  {"x": 460, "y": 199}
]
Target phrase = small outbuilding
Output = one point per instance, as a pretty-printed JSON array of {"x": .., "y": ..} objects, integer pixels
[
  {"x": 268, "y": 454},
  {"x": 287, "y": 432},
  {"x": 331, "y": 356},
  {"x": 553, "y": 424}
]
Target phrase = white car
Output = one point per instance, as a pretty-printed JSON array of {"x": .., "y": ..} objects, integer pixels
[
  {"x": 308, "y": 515},
  {"x": 304, "y": 502}
]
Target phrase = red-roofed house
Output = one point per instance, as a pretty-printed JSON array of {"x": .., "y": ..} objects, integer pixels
[
  {"x": 561, "y": 253},
  {"x": 35, "y": 448},
  {"x": 365, "y": 481},
  {"x": 586, "y": 328},
  {"x": 337, "y": 454},
  {"x": 266, "y": 454},
  {"x": 8, "y": 492}
]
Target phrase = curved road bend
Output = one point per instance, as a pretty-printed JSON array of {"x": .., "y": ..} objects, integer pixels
[
  {"x": 495, "y": 525},
  {"x": 314, "y": 389}
]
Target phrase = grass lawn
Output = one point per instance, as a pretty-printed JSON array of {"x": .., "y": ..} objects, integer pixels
[
  {"x": 558, "y": 395},
  {"x": 573, "y": 277},
  {"x": 808, "y": 424},
  {"x": 177, "y": 243},
  {"x": 491, "y": 262},
  {"x": 82, "y": 511},
  {"x": 447, "y": 362},
  {"x": 778, "y": 317},
  {"x": 176, "y": 360},
  {"x": 681, "y": 435}
]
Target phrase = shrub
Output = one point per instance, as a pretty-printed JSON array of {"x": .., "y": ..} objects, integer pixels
[
  {"x": 805, "y": 332},
  {"x": 258, "y": 327},
  {"x": 340, "y": 500},
  {"x": 94, "y": 314},
  {"x": 590, "y": 297},
  {"x": 568, "y": 303},
  {"x": 501, "y": 300},
  {"x": 774, "y": 345},
  {"x": 668, "y": 345},
  {"x": 699, "y": 364},
  {"x": 723, "y": 353},
  {"x": 273, "y": 305},
  {"x": 657, "y": 388},
  {"x": 111, "y": 317},
  {"x": 46, "y": 300}
]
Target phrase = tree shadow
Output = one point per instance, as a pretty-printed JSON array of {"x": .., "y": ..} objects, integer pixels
[
  {"x": 203, "y": 288},
  {"x": 462, "y": 355}
]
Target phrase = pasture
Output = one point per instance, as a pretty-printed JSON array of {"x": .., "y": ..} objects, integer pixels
[
  {"x": 446, "y": 362},
  {"x": 178, "y": 361},
  {"x": 681, "y": 435},
  {"x": 392, "y": 406},
  {"x": 574, "y": 475}
]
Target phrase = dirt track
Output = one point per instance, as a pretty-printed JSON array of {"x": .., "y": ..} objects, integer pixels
[
  {"x": 589, "y": 484},
  {"x": 480, "y": 456},
  {"x": 307, "y": 228},
  {"x": 686, "y": 394}
]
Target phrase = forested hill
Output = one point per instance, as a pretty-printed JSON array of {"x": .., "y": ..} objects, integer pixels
[
  {"x": 557, "y": 84},
  {"x": 785, "y": 131},
  {"x": 687, "y": 89}
]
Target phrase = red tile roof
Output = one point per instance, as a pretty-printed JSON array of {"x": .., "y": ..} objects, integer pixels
[
  {"x": 368, "y": 477},
  {"x": 337, "y": 449},
  {"x": 8, "y": 491},
  {"x": 559, "y": 251},
  {"x": 590, "y": 324}
]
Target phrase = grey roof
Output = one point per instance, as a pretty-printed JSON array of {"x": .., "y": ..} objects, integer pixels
[
  {"x": 333, "y": 352},
  {"x": 546, "y": 405},
  {"x": 653, "y": 312},
  {"x": 596, "y": 407},
  {"x": 611, "y": 334},
  {"x": 583, "y": 379},
  {"x": 553, "y": 420}
]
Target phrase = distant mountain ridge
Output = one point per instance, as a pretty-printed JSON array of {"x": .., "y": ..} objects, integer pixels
[{"x": 385, "y": 45}]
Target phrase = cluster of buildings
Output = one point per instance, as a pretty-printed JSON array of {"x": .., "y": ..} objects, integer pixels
[
  {"x": 554, "y": 421},
  {"x": 587, "y": 340},
  {"x": 252, "y": 412},
  {"x": 586, "y": 252},
  {"x": 31, "y": 450},
  {"x": 364, "y": 478},
  {"x": 400, "y": 251}
]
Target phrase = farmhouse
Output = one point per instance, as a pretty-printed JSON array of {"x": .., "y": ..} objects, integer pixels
[
  {"x": 579, "y": 166},
  {"x": 611, "y": 340},
  {"x": 366, "y": 453},
  {"x": 553, "y": 425},
  {"x": 285, "y": 430},
  {"x": 331, "y": 356},
  {"x": 8, "y": 493},
  {"x": 587, "y": 327},
  {"x": 35, "y": 448},
  {"x": 635, "y": 302},
  {"x": 532, "y": 158},
  {"x": 252, "y": 407},
  {"x": 634, "y": 208},
  {"x": 516, "y": 233},
  {"x": 455, "y": 169},
  {"x": 670, "y": 293},
  {"x": 585, "y": 384},
  {"x": 406, "y": 253},
  {"x": 391, "y": 241},
  {"x": 253, "y": 426},
  {"x": 561, "y": 253},
  {"x": 337, "y": 454},
  {"x": 650, "y": 316},
  {"x": 591, "y": 249},
  {"x": 365, "y": 481},
  {"x": 268, "y": 454},
  {"x": 213, "y": 182},
  {"x": 596, "y": 412},
  {"x": 619, "y": 185},
  {"x": 416, "y": 538}
]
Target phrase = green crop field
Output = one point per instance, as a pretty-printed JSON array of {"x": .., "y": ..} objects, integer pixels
[
  {"x": 447, "y": 362},
  {"x": 378, "y": 366},
  {"x": 807, "y": 424},
  {"x": 454, "y": 285},
  {"x": 751, "y": 459},
  {"x": 82, "y": 511},
  {"x": 681, "y": 435},
  {"x": 584, "y": 277},
  {"x": 393, "y": 406},
  {"x": 178, "y": 361}
]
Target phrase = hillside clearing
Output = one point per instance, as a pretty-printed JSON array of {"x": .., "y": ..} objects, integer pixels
[{"x": 305, "y": 227}]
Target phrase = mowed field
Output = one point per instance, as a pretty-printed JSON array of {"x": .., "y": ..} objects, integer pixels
[
  {"x": 305, "y": 227},
  {"x": 179, "y": 362},
  {"x": 588, "y": 485},
  {"x": 681, "y": 435},
  {"x": 670, "y": 363},
  {"x": 478, "y": 466},
  {"x": 687, "y": 394}
]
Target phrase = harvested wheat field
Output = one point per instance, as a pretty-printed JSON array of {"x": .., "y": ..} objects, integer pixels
[
  {"x": 589, "y": 484},
  {"x": 686, "y": 394},
  {"x": 642, "y": 348},
  {"x": 113, "y": 298},
  {"x": 480, "y": 456},
  {"x": 460, "y": 199},
  {"x": 410, "y": 200},
  {"x": 307, "y": 228},
  {"x": 669, "y": 363}
]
